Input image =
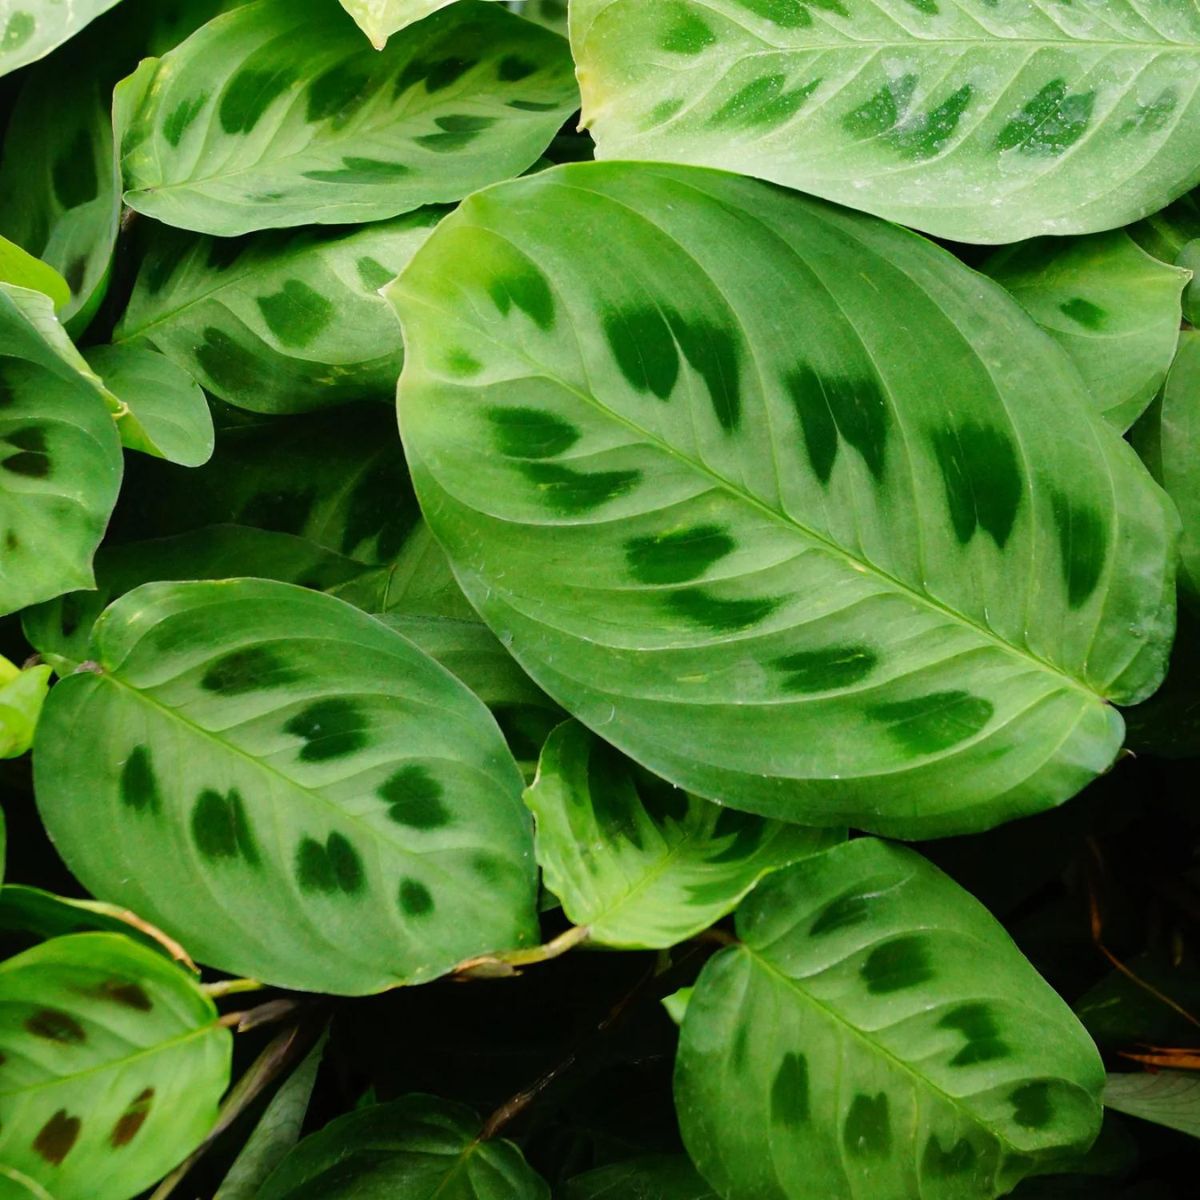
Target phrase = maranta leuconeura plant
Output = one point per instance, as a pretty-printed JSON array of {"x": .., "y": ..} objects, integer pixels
[{"x": 599, "y": 599}]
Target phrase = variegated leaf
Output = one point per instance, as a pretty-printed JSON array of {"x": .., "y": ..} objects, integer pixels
[
  {"x": 30, "y": 29},
  {"x": 279, "y": 114},
  {"x": 877, "y": 1036},
  {"x": 979, "y": 120},
  {"x": 781, "y": 571}
]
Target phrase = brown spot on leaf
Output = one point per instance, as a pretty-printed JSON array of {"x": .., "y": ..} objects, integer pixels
[
  {"x": 57, "y": 1136},
  {"x": 56, "y": 1026},
  {"x": 132, "y": 1119}
]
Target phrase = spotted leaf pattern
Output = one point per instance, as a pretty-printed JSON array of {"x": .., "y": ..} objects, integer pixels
[
  {"x": 111, "y": 1066},
  {"x": 657, "y": 1177},
  {"x": 1109, "y": 304},
  {"x": 278, "y": 322},
  {"x": 278, "y": 115},
  {"x": 877, "y": 1036},
  {"x": 640, "y": 864},
  {"x": 784, "y": 573},
  {"x": 30, "y": 29},
  {"x": 978, "y": 120},
  {"x": 258, "y": 748}
]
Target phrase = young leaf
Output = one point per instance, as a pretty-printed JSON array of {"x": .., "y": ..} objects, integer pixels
[
  {"x": 877, "y": 1033},
  {"x": 1112, "y": 308},
  {"x": 113, "y": 1063},
  {"x": 822, "y": 578},
  {"x": 22, "y": 694},
  {"x": 30, "y": 29},
  {"x": 1170, "y": 1098},
  {"x": 657, "y": 1177},
  {"x": 977, "y": 126},
  {"x": 22, "y": 269},
  {"x": 411, "y": 1149},
  {"x": 294, "y": 791},
  {"x": 641, "y": 864},
  {"x": 60, "y": 457},
  {"x": 281, "y": 322},
  {"x": 164, "y": 412},
  {"x": 279, "y": 114}
]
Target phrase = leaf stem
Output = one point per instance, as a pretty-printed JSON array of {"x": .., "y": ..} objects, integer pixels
[
  {"x": 231, "y": 987},
  {"x": 507, "y": 963}
]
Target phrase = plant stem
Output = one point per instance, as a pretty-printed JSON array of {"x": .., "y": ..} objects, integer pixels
[
  {"x": 507, "y": 963},
  {"x": 231, "y": 987}
]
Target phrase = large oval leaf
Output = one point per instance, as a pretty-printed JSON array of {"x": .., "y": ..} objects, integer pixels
[
  {"x": 30, "y": 29},
  {"x": 308, "y": 799},
  {"x": 883, "y": 569},
  {"x": 280, "y": 322},
  {"x": 637, "y": 862},
  {"x": 417, "y": 1148},
  {"x": 983, "y": 121},
  {"x": 878, "y": 1034},
  {"x": 279, "y": 114},
  {"x": 111, "y": 1066}
]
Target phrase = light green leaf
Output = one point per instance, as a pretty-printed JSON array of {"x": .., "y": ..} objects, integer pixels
[
  {"x": 551, "y": 13},
  {"x": 784, "y": 573},
  {"x": 416, "y": 1148},
  {"x": 979, "y": 122},
  {"x": 1168, "y": 234},
  {"x": 640, "y": 864},
  {"x": 15, "y": 1186},
  {"x": 280, "y": 322},
  {"x": 379, "y": 19},
  {"x": 1112, "y": 308},
  {"x": 113, "y": 1066},
  {"x": 256, "y": 748},
  {"x": 21, "y": 268},
  {"x": 1170, "y": 1098},
  {"x": 656, "y": 1177},
  {"x": 1189, "y": 260},
  {"x": 164, "y": 412},
  {"x": 30, "y": 29},
  {"x": 677, "y": 1003},
  {"x": 878, "y": 1034},
  {"x": 279, "y": 114},
  {"x": 60, "y": 456},
  {"x": 22, "y": 694}
]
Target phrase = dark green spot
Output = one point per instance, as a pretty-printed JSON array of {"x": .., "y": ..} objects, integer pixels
[
  {"x": 533, "y": 105},
  {"x": 1031, "y": 1105},
  {"x": 573, "y": 492},
  {"x": 840, "y": 408},
  {"x": 842, "y": 913},
  {"x": 897, "y": 965},
  {"x": 1084, "y": 312},
  {"x": 826, "y": 670},
  {"x": 56, "y": 1138},
  {"x": 221, "y": 828},
  {"x": 1083, "y": 546},
  {"x": 763, "y": 103},
  {"x": 790, "y": 14},
  {"x": 130, "y": 1122},
  {"x": 415, "y": 799},
  {"x": 17, "y": 31},
  {"x": 958, "y": 1160},
  {"x": 513, "y": 68},
  {"x": 678, "y": 556},
  {"x": 182, "y": 117},
  {"x": 455, "y": 132},
  {"x": 925, "y": 6},
  {"x": 929, "y": 724},
  {"x": 789, "y": 1092},
  {"x": 123, "y": 992},
  {"x": 981, "y": 472},
  {"x": 977, "y": 1023},
  {"x": 338, "y": 93},
  {"x": 334, "y": 866},
  {"x": 231, "y": 368},
  {"x": 883, "y": 110},
  {"x": 927, "y": 134},
  {"x": 1155, "y": 116},
  {"x": 297, "y": 313},
  {"x": 526, "y": 288},
  {"x": 374, "y": 274},
  {"x": 720, "y": 615},
  {"x": 360, "y": 170},
  {"x": 330, "y": 729},
  {"x": 867, "y": 1132},
  {"x": 74, "y": 172},
  {"x": 462, "y": 363},
  {"x": 250, "y": 93},
  {"x": 437, "y": 75},
  {"x": 1052, "y": 122},
  {"x": 714, "y": 353},
  {"x": 687, "y": 32},
  {"x": 415, "y": 899},
  {"x": 53, "y": 1025},
  {"x": 644, "y": 348},
  {"x": 33, "y": 464},
  {"x": 530, "y": 432},
  {"x": 251, "y": 669}
]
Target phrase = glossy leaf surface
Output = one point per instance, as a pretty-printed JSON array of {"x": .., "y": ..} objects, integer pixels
[
  {"x": 30, "y": 29},
  {"x": 252, "y": 746},
  {"x": 972, "y": 120},
  {"x": 416, "y": 1148},
  {"x": 113, "y": 1063},
  {"x": 1112, "y": 308},
  {"x": 877, "y": 1035},
  {"x": 278, "y": 322},
  {"x": 641, "y": 864},
  {"x": 279, "y": 114},
  {"x": 786, "y": 575}
]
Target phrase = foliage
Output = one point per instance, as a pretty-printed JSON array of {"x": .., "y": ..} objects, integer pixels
[{"x": 505, "y": 506}]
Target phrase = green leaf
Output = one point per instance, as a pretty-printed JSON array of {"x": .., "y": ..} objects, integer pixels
[
  {"x": 1189, "y": 260},
  {"x": 254, "y": 748},
  {"x": 784, "y": 573},
  {"x": 280, "y": 322},
  {"x": 15, "y": 1186},
  {"x": 379, "y": 19},
  {"x": 30, "y": 29},
  {"x": 164, "y": 412},
  {"x": 16, "y": 266},
  {"x": 60, "y": 456},
  {"x": 113, "y": 1066},
  {"x": 656, "y": 1177},
  {"x": 641, "y": 864},
  {"x": 1168, "y": 236},
  {"x": 982, "y": 127},
  {"x": 412, "y": 1149},
  {"x": 875, "y": 1035},
  {"x": 1170, "y": 1098},
  {"x": 279, "y": 114},
  {"x": 22, "y": 694},
  {"x": 1112, "y": 308}
]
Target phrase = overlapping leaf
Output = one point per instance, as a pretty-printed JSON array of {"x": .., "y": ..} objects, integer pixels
[
  {"x": 1170, "y": 1098},
  {"x": 878, "y": 1035},
  {"x": 113, "y": 1063},
  {"x": 22, "y": 694},
  {"x": 1170, "y": 235},
  {"x": 251, "y": 747},
  {"x": 20, "y": 267},
  {"x": 976, "y": 120},
  {"x": 1112, "y": 308},
  {"x": 379, "y": 19},
  {"x": 280, "y": 114},
  {"x": 660, "y": 1177},
  {"x": 416, "y": 1148},
  {"x": 641, "y": 864},
  {"x": 786, "y": 573},
  {"x": 278, "y": 322},
  {"x": 30, "y": 29}
]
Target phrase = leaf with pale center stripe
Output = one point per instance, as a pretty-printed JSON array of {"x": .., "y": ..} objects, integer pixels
[
  {"x": 641, "y": 864},
  {"x": 111, "y": 1066},
  {"x": 30, "y": 29},
  {"x": 1112, "y": 308},
  {"x": 979, "y": 120},
  {"x": 735, "y": 529},
  {"x": 294, "y": 791},
  {"x": 279, "y": 114},
  {"x": 877, "y": 1036}
]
